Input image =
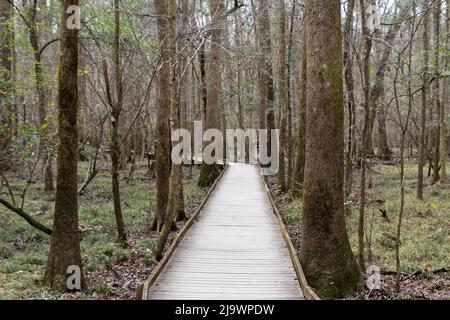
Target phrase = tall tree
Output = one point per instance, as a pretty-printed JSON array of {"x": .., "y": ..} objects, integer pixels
[
  {"x": 445, "y": 102},
  {"x": 41, "y": 91},
  {"x": 350, "y": 96},
  {"x": 183, "y": 96},
  {"x": 262, "y": 88},
  {"x": 425, "y": 98},
  {"x": 267, "y": 68},
  {"x": 210, "y": 172},
  {"x": 377, "y": 91},
  {"x": 175, "y": 182},
  {"x": 366, "y": 136},
  {"x": 328, "y": 261},
  {"x": 116, "y": 111},
  {"x": 282, "y": 91},
  {"x": 6, "y": 79},
  {"x": 299, "y": 171},
  {"x": 437, "y": 90},
  {"x": 163, "y": 143},
  {"x": 65, "y": 242}
]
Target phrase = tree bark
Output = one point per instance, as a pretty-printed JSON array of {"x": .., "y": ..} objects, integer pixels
[
  {"x": 175, "y": 183},
  {"x": 163, "y": 163},
  {"x": 299, "y": 171},
  {"x": 437, "y": 91},
  {"x": 377, "y": 91},
  {"x": 366, "y": 137},
  {"x": 209, "y": 173},
  {"x": 6, "y": 82},
  {"x": 65, "y": 241},
  {"x": 446, "y": 101},
  {"x": 349, "y": 85},
  {"x": 283, "y": 100},
  {"x": 115, "y": 123},
  {"x": 44, "y": 141},
  {"x": 425, "y": 99},
  {"x": 262, "y": 88},
  {"x": 267, "y": 70},
  {"x": 326, "y": 255}
]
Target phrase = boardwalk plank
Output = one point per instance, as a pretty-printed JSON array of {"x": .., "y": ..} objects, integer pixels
[{"x": 234, "y": 250}]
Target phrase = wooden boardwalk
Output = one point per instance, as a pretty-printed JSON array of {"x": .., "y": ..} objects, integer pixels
[{"x": 234, "y": 251}]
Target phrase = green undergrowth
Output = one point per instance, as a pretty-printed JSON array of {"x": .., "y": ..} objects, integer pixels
[
  {"x": 23, "y": 249},
  {"x": 425, "y": 240}
]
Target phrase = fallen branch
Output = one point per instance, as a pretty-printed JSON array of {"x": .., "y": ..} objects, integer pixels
[
  {"x": 88, "y": 180},
  {"x": 27, "y": 217}
]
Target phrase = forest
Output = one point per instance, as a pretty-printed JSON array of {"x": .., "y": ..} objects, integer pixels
[{"x": 224, "y": 149}]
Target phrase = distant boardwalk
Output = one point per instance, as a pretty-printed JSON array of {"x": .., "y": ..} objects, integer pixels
[{"x": 234, "y": 251}]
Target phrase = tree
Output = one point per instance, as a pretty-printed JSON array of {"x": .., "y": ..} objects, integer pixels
[
  {"x": 377, "y": 92},
  {"x": 210, "y": 172},
  {"x": 176, "y": 175},
  {"x": 283, "y": 95},
  {"x": 116, "y": 110},
  {"x": 6, "y": 70},
  {"x": 65, "y": 241},
  {"x": 328, "y": 261},
  {"x": 41, "y": 91},
  {"x": 262, "y": 87},
  {"x": 163, "y": 162},
  {"x": 366, "y": 136},
  {"x": 437, "y": 91},
  {"x": 267, "y": 69},
  {"x": 446, "y": 100},
  {"x": 299, "y": 171},
  {"x": 350, "y": 97},
  {"x": 425, "y": 99}
]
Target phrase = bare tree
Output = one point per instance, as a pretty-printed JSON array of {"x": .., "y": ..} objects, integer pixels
[
  {"x": 65, "y": 242},
  {"x": 283, "y": 95},
  {"x": 328, "y": 261},
  {"x": 163, "y": 162},
  {"x": 210, "y": 172},
  {"x": 425, "y": 98},
  {"x": 176, "y": 175}
]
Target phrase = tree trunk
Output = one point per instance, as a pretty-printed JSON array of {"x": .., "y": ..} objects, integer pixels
[
  {"x": 377, "y": 91},
  {"x": 366, "y": 136},
  {"x": 6, "y": 82},
  {"x": 327, "y": 258},
  {"x": 267, "y": 70},
  {"x": 299, "y": 171},
  {"x": 437, "y": 91},
  {"x": 175, "y": 183},
  {"x": 163, "y": 143},
  {"x": 184, "y": 103},
  {"x": 446, "y": 101},
  {"x": 425, "y": 99},
  {"x": 65, "y": 241},
  {"x": 349, "y": 85},
  {"x": 115, "y": 116},
  {"x": 283, "y": 105},
  {"x": 290, "y": 146},
  {"x": 44, "y": 130},
  {"x": 262, "y": 88},
  {"x": 209, "y": 173}
]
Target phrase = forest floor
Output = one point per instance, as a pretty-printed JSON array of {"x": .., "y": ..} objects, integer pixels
[
  {"x": 425, "y": 241},
  {"x": 112, "y": 272}
]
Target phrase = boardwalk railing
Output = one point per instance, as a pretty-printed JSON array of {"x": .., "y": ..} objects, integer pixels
[
  {"x": 235, "y": 250},
  {"x": 142, "y": 290},
  {"x": 307, "y": 290}
]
